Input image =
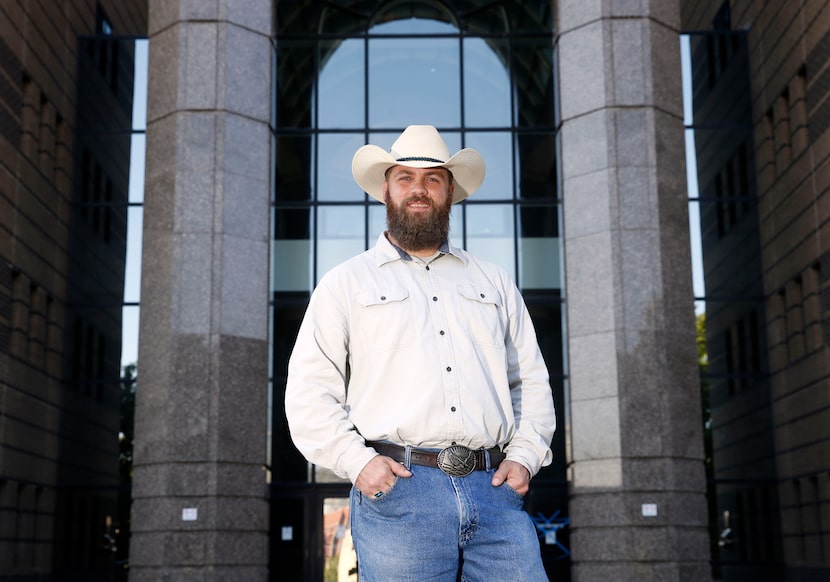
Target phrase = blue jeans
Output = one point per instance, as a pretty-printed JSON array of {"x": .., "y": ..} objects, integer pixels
[{"x": 435, "y": 527}]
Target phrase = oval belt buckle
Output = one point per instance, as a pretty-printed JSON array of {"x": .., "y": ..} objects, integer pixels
[{"x": 457, "y": 461}]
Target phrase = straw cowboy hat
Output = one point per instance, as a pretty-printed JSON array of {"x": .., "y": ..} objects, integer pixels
[{"x": 419, "y": 146}]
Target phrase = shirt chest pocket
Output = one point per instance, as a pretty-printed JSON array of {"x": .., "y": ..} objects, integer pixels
[
  {"x": 384, "y": 318},
  {"x": 482, "y": 308}
]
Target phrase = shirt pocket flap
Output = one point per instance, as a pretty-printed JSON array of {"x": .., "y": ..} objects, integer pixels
[
  {"x": 370, "y": 297},
  {"x": 481, "y": 294}
]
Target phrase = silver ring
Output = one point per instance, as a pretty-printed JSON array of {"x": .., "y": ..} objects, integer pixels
[{"x": 379, "y": 494}]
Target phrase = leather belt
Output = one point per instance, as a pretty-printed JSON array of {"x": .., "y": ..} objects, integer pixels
[{"x": 455, "y": 460}]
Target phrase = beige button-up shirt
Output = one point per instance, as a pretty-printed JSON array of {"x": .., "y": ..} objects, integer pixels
[{"x": 421, "y": 354}]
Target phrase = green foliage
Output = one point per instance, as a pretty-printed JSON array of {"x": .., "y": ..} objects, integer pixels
[{"x": 702, "y": 354}]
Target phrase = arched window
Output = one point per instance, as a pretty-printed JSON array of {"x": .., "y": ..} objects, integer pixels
[{"x": 353, "y": 72}]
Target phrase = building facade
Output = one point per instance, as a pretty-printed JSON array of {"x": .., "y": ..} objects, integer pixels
[
  {"x": 761, "y": 109},
  {"x": 582, "y": 137},
  {"x": 254, "y": 110},
  {"x": 66, "y": 100}
]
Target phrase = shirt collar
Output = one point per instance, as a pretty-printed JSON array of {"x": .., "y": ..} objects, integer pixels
[{"x": 386, "y": 251}]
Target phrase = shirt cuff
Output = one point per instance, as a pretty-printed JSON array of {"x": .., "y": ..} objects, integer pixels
[
  {"x": 355, "y": 464},
  {"x": 525, "y": 457}
]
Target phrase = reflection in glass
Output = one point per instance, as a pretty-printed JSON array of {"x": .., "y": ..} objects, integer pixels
[
  {"x": 414, "y": 80},
  {"x": 497, "y": 150},
  {"x": 490, "y": 233},
  {"x": 292, "y": 178},
  {"x": 138, "y": 150},
  {"x": 132, "y": 270},
  {"x": 486, "y": 83},
  {"x": 129, "y": 334},
  {"x": 291, "y": 256},
  {"x": 339, "y": 558},
  {"x": 531, "y": 16},
  {"x": 341, "y": 99},
  {"x": 329, "y": 102},
  {"x": 294, "y": 81},
  {"x": 140, "y": 85},
  {"x": 377, "y": 222},
  {"x": 334, "y": 155},
  {"x": 540, "y": 264},
  {"x": 457, "y": 225},
  {"x": 423, "y": 18},
  {"x": 536, "y": 156},
  {"x": 532, "y": 64},
  {"x": 340, "y": 235}
]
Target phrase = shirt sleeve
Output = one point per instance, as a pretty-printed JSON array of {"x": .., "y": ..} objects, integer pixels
[
  {"x": 531, "y": 396},
  {"x": 315, "y": 394}
]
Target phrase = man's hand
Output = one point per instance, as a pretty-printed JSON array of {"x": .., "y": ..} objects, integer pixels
[
  {"x": 379, "y": 474},
  {"x": 514, "y": 474}
]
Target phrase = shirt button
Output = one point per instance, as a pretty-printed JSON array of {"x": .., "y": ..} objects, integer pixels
[
  {"x": 435, "y": 299},
  {"x": 427, "y": 267},
  {"x": 453, "y": 408},
  {"x": 449, "y": 369},
  {"x": 383, "y": 297},
  {"x": 441, "y": 332},
  {"x": 482, "y": 295}
]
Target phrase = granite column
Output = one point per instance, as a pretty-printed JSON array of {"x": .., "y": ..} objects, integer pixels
[
  {"x": 200, "y": 509},
  {"x": 637, "y": 505}
]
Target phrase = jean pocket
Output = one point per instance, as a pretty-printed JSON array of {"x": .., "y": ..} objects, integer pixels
[
  {"x": 512, "y": 494},
  {"x": 386, "y": 494}
]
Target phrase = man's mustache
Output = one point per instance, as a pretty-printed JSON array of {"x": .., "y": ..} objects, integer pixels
[{"x": 418, "y": 200}]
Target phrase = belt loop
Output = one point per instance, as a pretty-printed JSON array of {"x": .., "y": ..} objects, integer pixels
[
  {"x": 407, "y": 457},
  {"x": 487, "y": 459}
]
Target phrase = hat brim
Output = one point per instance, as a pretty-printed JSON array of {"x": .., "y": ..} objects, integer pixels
[{"x": 371, "y": 162}]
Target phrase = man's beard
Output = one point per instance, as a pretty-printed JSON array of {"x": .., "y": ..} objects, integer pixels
[{"x": 418, "y": 231}]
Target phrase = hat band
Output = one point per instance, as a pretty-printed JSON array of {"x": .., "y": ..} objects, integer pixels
[{"x": 419, "y": 159}]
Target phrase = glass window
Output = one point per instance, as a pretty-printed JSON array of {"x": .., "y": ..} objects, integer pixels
[
  {"x": 422, "y": 18},
  {"x": 531, "y": 16},
  {"x": 497, "y": 150},
  {"x": 335, "y": 181},
  {"x": 293, "y": 175},
  {"x": 294, "y": 80},
  {"x": 138, "y": 150},
  {"x": 540, "y": 257},
  {"x": 490, "y": 234},
  {"x": 377, "y": 222},
  {"x": 291, "y": 252},
  {"x": 338, "y": 551},
  {"x": 360, "y": 72},
  {"x": 345, "y": 77},
  {"x": 414, "y": 80},
  {"x": 486, "y": 83},
  {"x": 132, "y": 270},
  {"x": 536, "y": 156},
  {"x": 341, "y": 100},
  {"x": 340, "y": 235},
  {"x": 129, "y": 334},
  {"x": 532, "y": 68}
]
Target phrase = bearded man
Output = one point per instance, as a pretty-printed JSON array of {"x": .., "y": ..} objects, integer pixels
[{"x": 417, "y": 375}]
